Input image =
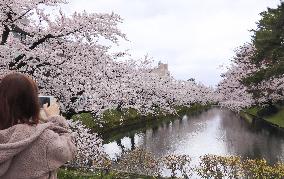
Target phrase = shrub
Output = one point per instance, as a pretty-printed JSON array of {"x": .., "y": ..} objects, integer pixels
[
  {"x": 138, "y": 161},
  {"x": 178, "y": 164},
  {"x": 213, "y": 166},
  {"x": 260, "y": 169}
]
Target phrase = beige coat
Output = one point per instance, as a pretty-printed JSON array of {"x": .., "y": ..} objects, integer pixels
[{"x": 37, "y": 151}]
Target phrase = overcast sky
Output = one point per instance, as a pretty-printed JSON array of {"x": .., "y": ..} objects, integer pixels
[{"x": 194, "y": 37}]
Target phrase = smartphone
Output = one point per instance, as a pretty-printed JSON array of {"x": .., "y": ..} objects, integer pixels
[{"x": 45, "y": 99}]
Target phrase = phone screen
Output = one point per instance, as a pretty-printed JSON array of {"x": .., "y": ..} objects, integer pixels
[{"x": 43, "y": 100}]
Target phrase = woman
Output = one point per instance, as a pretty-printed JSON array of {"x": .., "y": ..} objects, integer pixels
[{"x": 28, "y": 148}]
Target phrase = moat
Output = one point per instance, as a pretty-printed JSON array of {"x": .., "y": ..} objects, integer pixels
[{"x": 215, "y": 131}]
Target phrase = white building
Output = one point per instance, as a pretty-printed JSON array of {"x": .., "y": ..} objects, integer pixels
[{"x": 162, "y": 69}]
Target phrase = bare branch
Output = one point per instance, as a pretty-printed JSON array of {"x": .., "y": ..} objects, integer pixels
[{"x": 5, "y": 35}]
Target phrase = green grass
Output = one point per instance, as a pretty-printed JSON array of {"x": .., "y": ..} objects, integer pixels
[
  {"x": 247, "y": 117},
  {"x": 111, "y": 119},
  {"x": 87, "y": 119},
  {"x": 114, "y": 120},
  {"x": 77, "y": 174},
  {"x": 253, "y": 110},
  {"x": 249, "y": 113},
  {"x": 277, "y": 119}
]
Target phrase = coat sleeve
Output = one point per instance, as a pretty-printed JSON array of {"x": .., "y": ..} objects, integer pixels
[
  {"x": 59, "y": 121},
  {"x": 61, "y": 147}
]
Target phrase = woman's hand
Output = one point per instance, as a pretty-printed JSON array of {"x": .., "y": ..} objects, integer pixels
[{"x": 52, "y": 110}]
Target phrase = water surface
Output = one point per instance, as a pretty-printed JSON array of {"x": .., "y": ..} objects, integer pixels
[{"x": 215, "y": 131}]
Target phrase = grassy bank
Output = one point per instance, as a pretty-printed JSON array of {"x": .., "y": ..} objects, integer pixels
[
  {"x": 277, "y": 119},
  {"x": 80, "y": 174},
  {"x": 129, "y": 119},
  {"x": 250, "y": 113},
  {"x": 209, "y": 166},
  {"x": 273, "y": 115},
  {"x": 246, "y": 116}
]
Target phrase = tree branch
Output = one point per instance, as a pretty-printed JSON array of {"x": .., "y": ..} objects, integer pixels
[
  {"x": 5, "y": 35},
  {"x": 50, "y": 36},
  {"x": 6, "y": 31},
  {"x": 21, "y": 16},
  {"x": 17, "y": 29},
  {"x": 34, "y": 45}
]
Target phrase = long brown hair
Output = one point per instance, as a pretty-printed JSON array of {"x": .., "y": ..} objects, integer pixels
[{"x": 18, "y": 101}]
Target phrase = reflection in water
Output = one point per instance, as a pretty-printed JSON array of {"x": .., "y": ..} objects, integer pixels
[
  {"x": 216, "y": 131},
  {"x": 251, "y": 143}
]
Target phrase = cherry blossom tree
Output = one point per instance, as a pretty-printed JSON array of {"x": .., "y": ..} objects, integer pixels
[
  {"x": 261, "y": 67},
  {"x": 61, "y": 52},
  {"x": 66, "y": 56},
  {"x": 90, "y": 152},
  {"x": 232, "y": 93},
  {"x": 235, "y": 93},
  {"x": 69, "y": 57},
  {"x": 272, "y": 90}
]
